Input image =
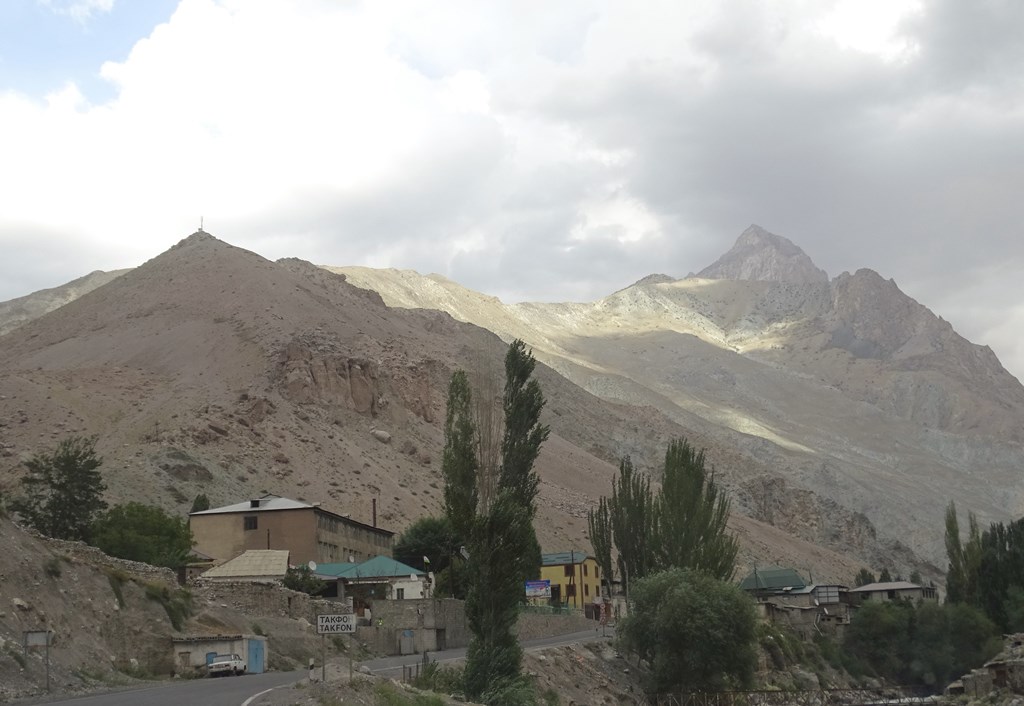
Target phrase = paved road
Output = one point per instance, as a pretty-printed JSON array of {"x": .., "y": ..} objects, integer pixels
[
  {"x": 223, "y": 691},
  {"x": 235, "y": 691}
]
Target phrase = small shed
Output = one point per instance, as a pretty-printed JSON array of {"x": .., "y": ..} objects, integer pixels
[{"x": 193, "y": 652}]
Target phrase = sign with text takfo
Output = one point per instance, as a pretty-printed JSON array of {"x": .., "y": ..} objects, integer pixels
[
  {"x": 538, "y": 589},
  {"x": 335, "y": 624}
]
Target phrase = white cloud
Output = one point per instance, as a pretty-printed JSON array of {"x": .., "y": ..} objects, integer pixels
[
  {"x": 536, "y": 149},
  {"x": 78, "y": 10}
]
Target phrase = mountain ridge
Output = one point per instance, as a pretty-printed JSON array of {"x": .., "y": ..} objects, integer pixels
[{"x": 210, "y": 369}]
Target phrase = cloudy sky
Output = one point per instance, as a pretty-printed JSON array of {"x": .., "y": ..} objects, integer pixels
[{"x": 531, "y": 150}]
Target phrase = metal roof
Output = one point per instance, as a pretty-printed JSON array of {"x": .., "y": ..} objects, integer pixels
[
  {"x": 377, "y": 568},
  {"x": 560, "y": 558},
  {"x": 262, "y": 563},
  {"x": 267, "y": 502},
  {"x": 772, "y": 579},
  {"x": 333, "y": 569},
  {"x": 276, "y": 502},
  {"x": 887, "y": 586}
]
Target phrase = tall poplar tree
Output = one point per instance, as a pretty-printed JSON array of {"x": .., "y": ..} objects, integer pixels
[
  {"x": 691, "y": 513},
  {"x": 964, "y": 558},
  {"x": 459, "y": 464},
  {"x": 599, "y": 524},
  {"x": 632, "y": 518},
  {"x": 494, "y": 500}
]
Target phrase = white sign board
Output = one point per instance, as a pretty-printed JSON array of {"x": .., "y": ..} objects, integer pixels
[
  {"x": 335, "y": 624},
  {"x": 37, "y": 638}
]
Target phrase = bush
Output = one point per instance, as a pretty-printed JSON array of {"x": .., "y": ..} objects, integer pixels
[
  {"x": 696, "y": 632},
  {"x": 145, "y": 533}
]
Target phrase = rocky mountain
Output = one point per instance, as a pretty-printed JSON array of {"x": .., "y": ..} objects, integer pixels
[
  {"x": 853, "y": 398},
  {"x": 15, "y": 312},
  {"x": 212, "y": 370},
  {"x": 764, "y": 257}
]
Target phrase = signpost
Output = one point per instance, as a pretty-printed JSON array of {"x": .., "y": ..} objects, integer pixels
[
  {"x": 338, "y": 624},
  {"x": 538, "y": 589}
]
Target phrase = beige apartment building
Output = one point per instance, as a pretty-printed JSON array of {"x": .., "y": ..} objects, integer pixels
[{"x": 306, "y": 530}]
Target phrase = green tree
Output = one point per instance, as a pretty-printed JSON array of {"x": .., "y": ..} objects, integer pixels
[
  {"x": 964, "y": 558},
  {"x": 200, "y": 503},
  {"x": 304, "y": 580},
  {"x": 427, "y": 537},
  {"x": 599, "y": 525},
  {"x": 695, "y": 631},
  {"x": 143, "y": 533},
  {"x": 915, "y": 577},
  {"x": 459, "y": 464},
  {"x": 691, "y": 513},
  {"x": 490, "y": 500},
  {"x": 879, "y": 635},
  {"x": 631, "y": 510},
  {"x": 496, "y": 567},
  {"x": 932, "y": 653},
  {"x": 524, "y": 434},
  {"x": 885, "y": 576},
  {"x": 863, "y": 578},
  {"x": 975, "y": 638},
  {"x": 63, "y": 490}
]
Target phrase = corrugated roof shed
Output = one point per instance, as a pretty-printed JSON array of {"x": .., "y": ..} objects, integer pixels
[{"x": 254, "y": 563}]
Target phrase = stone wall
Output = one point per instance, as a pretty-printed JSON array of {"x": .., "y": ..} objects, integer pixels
[
  {"x": 434, "y": 624},
  {"x": 263, "y": 599},
  {"x": 533, "y": 625}
]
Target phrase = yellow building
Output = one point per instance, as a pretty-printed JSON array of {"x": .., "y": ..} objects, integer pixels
[{"x": 575, "y": 578}]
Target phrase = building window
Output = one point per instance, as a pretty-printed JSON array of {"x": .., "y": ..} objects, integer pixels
[
  {"x": 567, "y": 569},
  {"x": 400, "y": 593},
  {"x": 585, "y": 570},
  {"x": 586, "y": 589},
  {"x": 597, "y": 572},
  {"x": 249, "y": 522},
  {"x": 570, "y": 590}
]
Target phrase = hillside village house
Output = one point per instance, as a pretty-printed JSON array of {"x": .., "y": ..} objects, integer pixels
[
  {"x": 379, "y": 578},
  {"x": 784, "y": 598},
  {"x": 575, "y": 578},
  {"x": 306, "y": 531},
  {"x": 894, "y": 591}
]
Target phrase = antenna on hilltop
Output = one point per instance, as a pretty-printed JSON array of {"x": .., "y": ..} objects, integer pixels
[{"x": 200, "y": 224}]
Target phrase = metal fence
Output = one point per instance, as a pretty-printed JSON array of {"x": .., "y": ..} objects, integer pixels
[{"x": 812, "y": 697}]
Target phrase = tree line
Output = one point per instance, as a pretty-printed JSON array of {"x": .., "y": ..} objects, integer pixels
[{"x": 61, "y": 496}]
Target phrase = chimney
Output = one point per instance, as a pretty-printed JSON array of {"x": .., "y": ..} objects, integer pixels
[{"x": 375, "y": 512}]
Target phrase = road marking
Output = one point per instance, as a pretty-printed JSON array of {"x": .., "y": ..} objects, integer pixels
[{"x": 256, "y": 696}]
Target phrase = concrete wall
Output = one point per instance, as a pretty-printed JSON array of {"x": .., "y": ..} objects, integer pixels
[
  {"x": 436, "y": 623},
  {"x": 223, "y": 536}
]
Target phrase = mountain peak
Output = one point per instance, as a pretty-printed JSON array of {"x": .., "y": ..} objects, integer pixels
[{"x": 763, "y": 256}]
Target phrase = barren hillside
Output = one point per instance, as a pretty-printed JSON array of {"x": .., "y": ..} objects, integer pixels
[
  {"x": 848, "y": 389},
  {"x": 210, "y": 369}
]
